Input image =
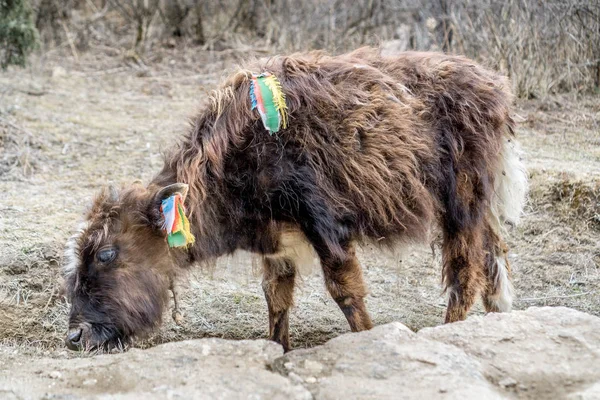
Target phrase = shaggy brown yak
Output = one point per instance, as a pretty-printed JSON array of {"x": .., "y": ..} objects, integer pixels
[{"x": 388, "y": 149}]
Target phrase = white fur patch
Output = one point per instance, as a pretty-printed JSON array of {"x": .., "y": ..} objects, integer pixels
[
  {"x": 503, "y": 297},
  {"x": 452, "y": 294},
  {"x": 510, "y": 192},
  {"x": 294, "y": 246},
  {"x": 72, "y": 256},
  {"x": 510, "y": 186}
]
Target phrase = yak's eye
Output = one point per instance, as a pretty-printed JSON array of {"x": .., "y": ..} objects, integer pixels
[{"x": 107, "y": 255}]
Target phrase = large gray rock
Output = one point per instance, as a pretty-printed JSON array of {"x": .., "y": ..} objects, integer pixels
[
  {"x": 541, "y": 353},
  {"x": 388, "y": 362},
  {"x": 538, "y": 353},
  {"x": 199, "y": 369}
]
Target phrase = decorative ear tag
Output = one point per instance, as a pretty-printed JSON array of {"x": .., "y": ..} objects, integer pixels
[
  {"x": 176, "y": 223},
  {"x": 267, "y": 97}
]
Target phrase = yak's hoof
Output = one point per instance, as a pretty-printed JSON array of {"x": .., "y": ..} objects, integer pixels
[{"x": 178, "y": 318}]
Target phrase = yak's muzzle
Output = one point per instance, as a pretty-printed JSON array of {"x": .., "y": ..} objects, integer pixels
[{"x": 73, "y": 339}]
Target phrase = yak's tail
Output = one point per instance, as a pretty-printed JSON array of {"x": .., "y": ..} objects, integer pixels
[
  {"x": 510, "y": 186},
  {"x": 510, "y": 191}
]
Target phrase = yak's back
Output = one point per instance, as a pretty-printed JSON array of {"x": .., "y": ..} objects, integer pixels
[{"x": 366, "y": 136}]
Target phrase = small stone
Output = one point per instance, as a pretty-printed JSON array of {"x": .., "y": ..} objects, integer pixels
[
  {"x": 55, "y": 375},
  {"x": 311, "y": 379},
  {"x": 90, "y": 382},
  {"x": 507, "y": 382}
]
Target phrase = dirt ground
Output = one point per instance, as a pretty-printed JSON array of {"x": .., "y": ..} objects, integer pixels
[{"x": 68, "y": 127}]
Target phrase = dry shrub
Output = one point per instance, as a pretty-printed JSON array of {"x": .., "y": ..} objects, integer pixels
[
  {"x": 19, "y": 151},
  {"x": 14, "y": 149},
  {"x": 51, "y": 15},
  {"x": 578, "y": 200},
  {"x": 140, "y": 13},
  {"x": 571, "y": 199},
  {"x": 543, "y": 46}
]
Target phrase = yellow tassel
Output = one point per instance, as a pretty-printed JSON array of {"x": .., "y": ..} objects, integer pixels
[
  {"x": 278, "y": 98},
  {"x": 185, "y": 229}
]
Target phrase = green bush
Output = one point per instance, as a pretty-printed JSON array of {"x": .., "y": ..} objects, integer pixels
[{"x": 18, "y": 36}]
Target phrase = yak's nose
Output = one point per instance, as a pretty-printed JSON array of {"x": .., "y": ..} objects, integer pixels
[{"x": 73, "y": 340}]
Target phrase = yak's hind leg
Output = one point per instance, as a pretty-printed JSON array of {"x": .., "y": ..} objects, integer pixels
[
  {"x": 278, "y": 284},
  {"x": 498, "y": 294},
  {"x": 344, "y": 281},
  {"x": 465, "y": 191},
  {"x": 464, "y": 274}
]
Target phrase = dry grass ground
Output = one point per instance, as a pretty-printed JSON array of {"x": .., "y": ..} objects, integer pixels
[{"x": 67, "y": 128}]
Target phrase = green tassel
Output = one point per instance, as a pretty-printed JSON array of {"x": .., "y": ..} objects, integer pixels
[
  {"x": 269, "y": 103},
  {"x": 183, "y": 237},
  {"x": 177, "y": 239}
]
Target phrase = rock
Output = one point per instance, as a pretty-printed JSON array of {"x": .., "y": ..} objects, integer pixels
[
  {"x": 540, "y": 353},
  {"x": 388, "y": 362},
  {"x": 549, "y": 351},
  {"x": 201, "y": 369}
]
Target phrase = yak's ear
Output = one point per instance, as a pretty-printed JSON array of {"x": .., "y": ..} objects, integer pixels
[
  {"x": 113, "y": 193},
  {"x": 162, "y": 194},
  {"x": 172, "y": 217},
  {"x": 170, "y": 190}
]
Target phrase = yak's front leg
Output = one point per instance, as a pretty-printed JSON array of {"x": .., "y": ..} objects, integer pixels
[
  {"x": 345, "y": 283},
  {"x": 278, "y": 284},
  {"x": 176, "y": 314}
]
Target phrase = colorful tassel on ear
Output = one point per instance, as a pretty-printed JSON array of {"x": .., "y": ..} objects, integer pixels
[
  {"x": 268, "y": 98},
  {"x": 176, "y": 223}
]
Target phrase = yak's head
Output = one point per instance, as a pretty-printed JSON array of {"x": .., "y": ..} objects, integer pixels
[{"x": 118, "y": 268}]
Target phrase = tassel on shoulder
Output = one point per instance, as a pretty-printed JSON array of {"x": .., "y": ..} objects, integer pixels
[{"x": 267, "y": 96}]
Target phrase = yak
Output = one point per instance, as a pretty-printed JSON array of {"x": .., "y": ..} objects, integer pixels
[{"x": 414, "y": 147}]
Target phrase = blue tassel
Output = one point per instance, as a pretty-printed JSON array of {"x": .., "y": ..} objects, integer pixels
[{"x": 252, "y": 96}]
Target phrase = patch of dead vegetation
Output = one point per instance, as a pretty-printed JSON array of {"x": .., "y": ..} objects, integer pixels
[
  {"x": 19, "y": 150},
  {"x": 32, "y": 308},
  {"x": 571, "y": 199}
]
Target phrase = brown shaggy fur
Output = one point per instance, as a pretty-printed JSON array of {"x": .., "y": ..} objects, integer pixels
[{"x": 377, "y": 148}]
